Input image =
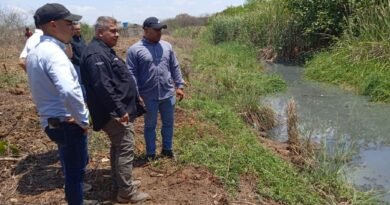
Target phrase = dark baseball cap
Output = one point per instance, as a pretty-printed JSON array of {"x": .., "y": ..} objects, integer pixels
[
  {"x": 153, "y": 22},
  {"x": 53, "y": 11}
]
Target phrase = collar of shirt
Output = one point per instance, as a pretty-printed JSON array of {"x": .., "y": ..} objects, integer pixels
[
  {"x": 54, "y": 40},
  {"x": 104, "y": 46},
  {"x": 146, "y": 41},
  {"x": 39, "y": 31}
]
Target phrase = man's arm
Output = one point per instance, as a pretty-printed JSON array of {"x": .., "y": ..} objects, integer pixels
[
  {"x": 61, "y": 73},
  {"x": 22, "y": 58},
  {"x": 176, "y": 75},
  {"x": 131, "y": 63},
  {"x": 175, "y": 70}
]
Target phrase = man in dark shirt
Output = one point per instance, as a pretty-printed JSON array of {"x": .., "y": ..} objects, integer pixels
[
  {"x": 78, "y": 45},
  {"x": 112, "y": 99}
]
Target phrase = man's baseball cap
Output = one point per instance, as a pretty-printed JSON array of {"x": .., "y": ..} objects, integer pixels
[
  {"x": 153, "y": 22},
  {"x": 53, "y": 11}
]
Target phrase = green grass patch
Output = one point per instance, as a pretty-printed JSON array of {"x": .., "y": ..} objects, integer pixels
[
  {"x": 227, "y": 80},
  {"x": 12, "y": 79},
  {"x": 7, "y": 149},
  {"x": 343, "y": 66},
  {"x": 361, "y": 58}
]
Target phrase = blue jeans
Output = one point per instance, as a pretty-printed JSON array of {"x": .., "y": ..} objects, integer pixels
[
  {"x": 167, "y": 109},
  {"x": 73, "y": 151}
]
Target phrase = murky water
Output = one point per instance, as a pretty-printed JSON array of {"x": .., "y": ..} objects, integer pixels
[{"x": 328, "y": 112}]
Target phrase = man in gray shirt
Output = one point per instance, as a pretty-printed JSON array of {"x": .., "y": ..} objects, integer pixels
[{"x": 153, "y": 64}]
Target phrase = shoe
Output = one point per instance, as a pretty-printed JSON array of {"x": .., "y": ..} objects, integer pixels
[
  {"x": 136, "y": 183},
  {"x": 136, "y": 197},
  {"x": 168, "y": 154},
  {"x": 140, "y": 162}
]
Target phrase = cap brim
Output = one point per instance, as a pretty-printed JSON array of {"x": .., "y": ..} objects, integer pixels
[
  {"x": 73, "y": 17},
  {"x": 159, "y": 26}
]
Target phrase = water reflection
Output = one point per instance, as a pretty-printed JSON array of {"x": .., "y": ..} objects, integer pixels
[{"x": 327, "y": 112}]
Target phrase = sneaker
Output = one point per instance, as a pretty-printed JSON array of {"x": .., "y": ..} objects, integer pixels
[
  {"x": 140, "y": 162},
  {"x": 168, "y": 154},
  {"x": 136, "y": 183},
  {"x": 136, "y": 197}
]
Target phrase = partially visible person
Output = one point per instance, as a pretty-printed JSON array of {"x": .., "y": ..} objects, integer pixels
[
  {"x": 27, "y": 33},
  {"x": 78, "y": 45},
  {"x": 57, "y": 95},
  {"x": 153, "y": 64},
  {"x": 112, "y": 99},
  {"x": 30, "y": 44}
]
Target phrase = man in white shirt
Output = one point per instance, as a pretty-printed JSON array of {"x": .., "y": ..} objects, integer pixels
[
  {"x": 30, "y": 44},
  {"x": 58, "y": 97}
]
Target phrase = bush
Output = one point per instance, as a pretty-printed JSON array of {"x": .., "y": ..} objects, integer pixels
[
  {"x": 87, "y": 31},
  {"x": 185, "y": 20},
  {"x": 12, "y": 26},
  {"x": 361, "y": 58}
]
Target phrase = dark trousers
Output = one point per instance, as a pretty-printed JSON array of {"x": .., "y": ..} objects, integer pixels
[{"x": 73, "y": 151}]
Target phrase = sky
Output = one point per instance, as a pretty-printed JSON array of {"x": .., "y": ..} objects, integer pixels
[{"x": 132, "y": 11}]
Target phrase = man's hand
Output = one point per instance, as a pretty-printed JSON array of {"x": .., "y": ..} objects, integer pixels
[
  {"x": 124, "y": 118},
  {"x": 141, "y": 102},
  {"x": 180, "y": 94},
  {"x": 72, "y": 120},
  {"x": 22, "y": 63}
]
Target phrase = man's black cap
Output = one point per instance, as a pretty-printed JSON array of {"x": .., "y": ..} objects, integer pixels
[
  {"x": 153, "y": 22},
  {"x": 52, "y": 12}
]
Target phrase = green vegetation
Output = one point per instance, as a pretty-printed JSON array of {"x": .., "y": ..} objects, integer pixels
[
  {"x": 7, "y": 149},
  {"x": 259, "y": 24},
  {"x": 296, "y": 30},
  {"x": 87, "y": 31},
  {"x": 361, "y": 58},
  {"x": 11, "y": 79},
  {"x": 226, "y": 82}
]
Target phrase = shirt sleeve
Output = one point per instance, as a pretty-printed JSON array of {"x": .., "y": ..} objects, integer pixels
[
  {"x": 175, "y": 70},
  {"x": 131, "y": 62},
  {"x": 99, "y": 70},
  {"x": 64, "y": 77},
  {"x": 24, "y": 51}
]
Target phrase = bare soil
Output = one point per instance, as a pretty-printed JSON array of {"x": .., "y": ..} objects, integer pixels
[{"x": 33, "y": 176}]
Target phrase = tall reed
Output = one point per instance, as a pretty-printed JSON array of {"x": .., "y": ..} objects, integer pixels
[{"x": 361, "y": 59}]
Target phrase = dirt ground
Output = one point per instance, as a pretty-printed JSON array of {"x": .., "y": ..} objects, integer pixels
[{"x": 33, "y": 176}]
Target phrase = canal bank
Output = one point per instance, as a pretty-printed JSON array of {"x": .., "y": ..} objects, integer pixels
[{"x": 338, "y": 118}]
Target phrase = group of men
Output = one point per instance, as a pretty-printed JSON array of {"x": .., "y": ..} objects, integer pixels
[{"x": 116, "y": 93}]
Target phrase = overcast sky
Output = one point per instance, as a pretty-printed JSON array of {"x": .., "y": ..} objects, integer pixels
[{"x": 132, "y": 11}]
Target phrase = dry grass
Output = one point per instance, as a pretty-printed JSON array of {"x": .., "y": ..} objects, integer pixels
[
  {"x": 292, "y": 127},
  {"x": 261, "y": 118},
  {"x": 301, "y": 150}
]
